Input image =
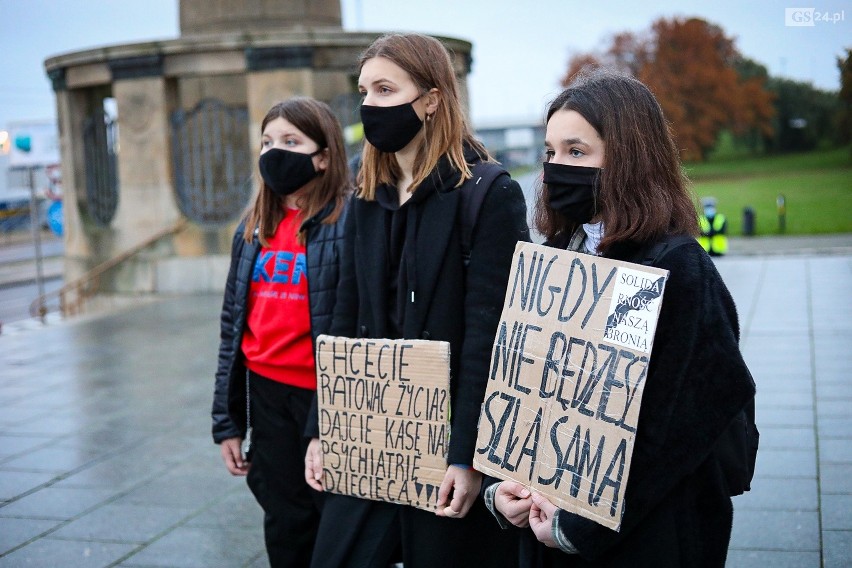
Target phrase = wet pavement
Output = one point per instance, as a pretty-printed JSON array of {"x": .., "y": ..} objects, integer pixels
[{"x": 106, "y": 457}]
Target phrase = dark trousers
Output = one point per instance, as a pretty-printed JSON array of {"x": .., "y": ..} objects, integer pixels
[
  {"x": 356, "y": 533},
  {"x": 277, "y": 474}
]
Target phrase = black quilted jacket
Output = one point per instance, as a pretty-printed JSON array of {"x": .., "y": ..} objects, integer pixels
[{"x": 323, "y": 257}]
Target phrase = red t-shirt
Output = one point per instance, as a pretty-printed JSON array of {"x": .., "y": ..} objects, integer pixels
[{"x": 277, "y": 339}]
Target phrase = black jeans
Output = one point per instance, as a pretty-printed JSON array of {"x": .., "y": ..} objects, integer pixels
[{"x": 277, "y": 474}]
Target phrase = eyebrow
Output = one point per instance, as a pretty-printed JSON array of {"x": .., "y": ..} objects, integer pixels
[
  {"x": 568, "y": 142},
  {"x": 379, "y": 80},
  {"x": 281, "y": 134}
]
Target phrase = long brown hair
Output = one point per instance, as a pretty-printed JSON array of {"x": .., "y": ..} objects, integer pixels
[
  {"x": 643, "y": 192},
  {"x": 317, "y": 121},
  {"x": 429, "y": 65}
]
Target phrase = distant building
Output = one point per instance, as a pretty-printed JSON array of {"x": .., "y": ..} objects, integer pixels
[
  {"x": 27, "y": 150},
  {"x": 513, "y": 142},
  {"x": 4, "y": 174}
]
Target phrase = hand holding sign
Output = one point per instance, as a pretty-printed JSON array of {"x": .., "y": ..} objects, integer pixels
[
  {"x": 513, "y": 501},
  {"x": 542, "y": 515},
  {"x": 463, "y": 485},
  {"x": 313, "y": 464}
]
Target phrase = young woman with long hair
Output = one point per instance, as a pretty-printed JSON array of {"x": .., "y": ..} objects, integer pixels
[
  {"x": 404, "y": 277},
  {"x": 279, "y": 296},
  {"x": 613, "y": 186}
]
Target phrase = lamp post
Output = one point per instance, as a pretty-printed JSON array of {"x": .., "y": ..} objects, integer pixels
[
  {"x": 781, "y": 205},
  {"x": 24, "y": 144},
  {"x": 36, "y": 229}
]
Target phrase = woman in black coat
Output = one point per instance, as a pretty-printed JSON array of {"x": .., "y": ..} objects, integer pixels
[
  {"x": 279, "y": 297},
  {"x": 404, "y": 277},
  {"x": 612, "y": 186}
]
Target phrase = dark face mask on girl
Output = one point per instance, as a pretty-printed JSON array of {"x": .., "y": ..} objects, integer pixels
[
  {"x": 572, "y": 190},
  {"x": 285, "y": 172},
  {"x": 390, "y": 128}
]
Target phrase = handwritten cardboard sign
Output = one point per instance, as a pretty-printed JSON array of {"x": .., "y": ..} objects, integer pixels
[
  {"x": 384, "y": 418},
  {"x": 567, "y": 375}
]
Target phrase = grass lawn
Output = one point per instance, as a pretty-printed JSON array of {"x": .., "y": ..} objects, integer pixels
[{"x": 817, "y": 187}]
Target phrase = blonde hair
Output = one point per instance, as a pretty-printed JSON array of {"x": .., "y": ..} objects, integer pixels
[{"x": 429, "y": 65}]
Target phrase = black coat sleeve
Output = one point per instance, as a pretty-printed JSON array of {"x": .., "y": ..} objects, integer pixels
[
  {"x": 502, "y": 222},
  {"x": 223, "y": 426},
  {"x": 344, "y": 320},
  {"x": 697, "y": 382}
]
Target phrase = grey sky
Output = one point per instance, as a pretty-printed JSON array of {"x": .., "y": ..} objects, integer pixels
[{"x": 520, "y": 47}]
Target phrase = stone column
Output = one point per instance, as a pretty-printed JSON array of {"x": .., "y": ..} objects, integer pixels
[
  {"x": 70, "y": 105},
  {"x": 275, "y": 74},
  {"x": 222, "y": 16},
  {"x": 146, "y": 201}
]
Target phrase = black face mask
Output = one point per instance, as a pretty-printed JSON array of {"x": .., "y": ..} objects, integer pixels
[
  {"x": 390, "y": 129},
  {"x": 285, "y": 171},
  {"x": 572, "y": 190}
]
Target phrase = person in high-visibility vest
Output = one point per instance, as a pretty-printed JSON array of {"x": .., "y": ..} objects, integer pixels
[{"x": 714, "y": 229}]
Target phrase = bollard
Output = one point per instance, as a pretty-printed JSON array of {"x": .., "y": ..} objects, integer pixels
[
  {"x": 781, "y": 205},
  {"x": 748, "y": 221}
]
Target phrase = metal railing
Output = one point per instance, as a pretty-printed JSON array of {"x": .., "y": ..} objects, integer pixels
[
  {"x": 211, "y": 161},
  {"x": 100, "y": 142},
  {"x": 73, "y": 295}
]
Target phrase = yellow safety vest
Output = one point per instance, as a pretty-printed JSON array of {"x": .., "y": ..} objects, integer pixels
[{"x": 712, "y": 239}]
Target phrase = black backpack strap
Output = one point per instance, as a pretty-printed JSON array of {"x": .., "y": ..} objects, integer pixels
[
  {"x": 652, "y": 254},
  {"x": 473, "y": 193}
]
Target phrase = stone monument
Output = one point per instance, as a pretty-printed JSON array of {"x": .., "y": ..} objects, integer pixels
[{"x": 159, "y": 140}]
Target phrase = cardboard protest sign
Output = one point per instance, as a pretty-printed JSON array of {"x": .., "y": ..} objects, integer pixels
[
  {"x": 567, "y": 375},
  {"x": 384, "y": 418}
]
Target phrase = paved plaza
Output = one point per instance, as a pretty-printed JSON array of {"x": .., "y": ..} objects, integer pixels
[{"x": 106, "y": 457}]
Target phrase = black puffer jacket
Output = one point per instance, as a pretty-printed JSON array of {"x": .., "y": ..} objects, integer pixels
[{"x": 323, "y": 257}]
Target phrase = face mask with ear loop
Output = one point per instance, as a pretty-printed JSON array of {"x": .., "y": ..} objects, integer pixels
[
  {"x": 285, "y": 172},
  {"x": 391, "y": 128},
  {"x": 573, "y": 191}
]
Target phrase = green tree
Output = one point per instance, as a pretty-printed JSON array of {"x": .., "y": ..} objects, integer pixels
[
  {"x": 845, "y": 129},
  {"x": 805, "y": 117},
  {"x": 754, "y": 123}
]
